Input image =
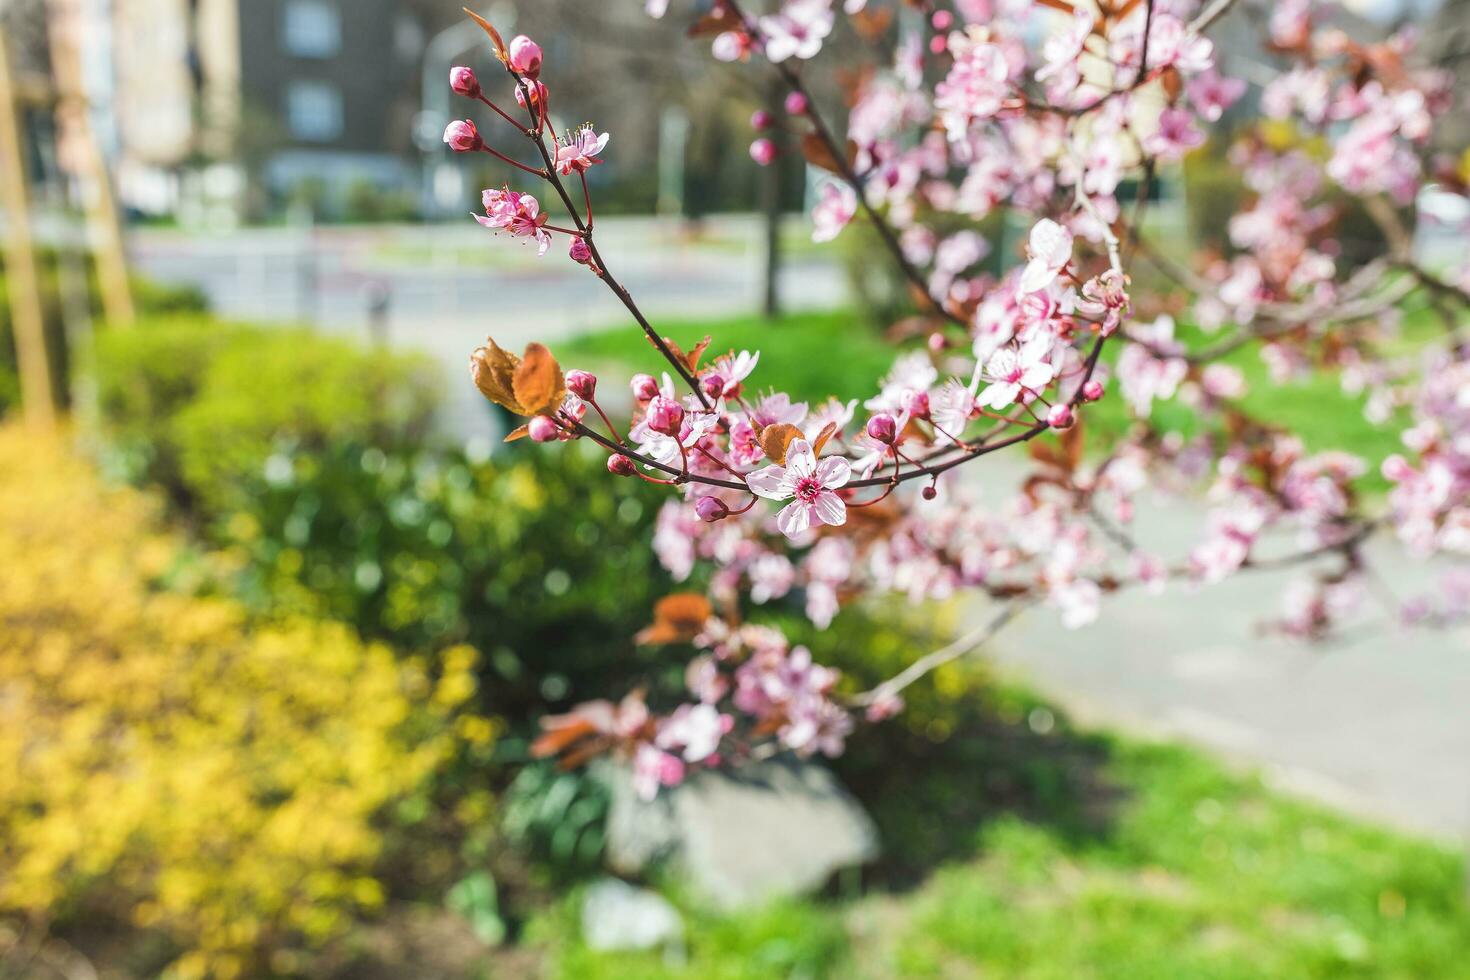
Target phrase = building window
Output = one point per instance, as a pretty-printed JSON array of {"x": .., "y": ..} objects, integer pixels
[
  {"x": 314, "y": 111},
  {"x": 312, "y": 29}
]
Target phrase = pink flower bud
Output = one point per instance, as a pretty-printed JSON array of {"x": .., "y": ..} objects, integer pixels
[
  {"x": 883, "y": 429},
  {"x": 525, "y": 56},
  {"x": 538, "y": 94},
  {"x": 763, "y": 151},
  {"x": 916, "y": 403},
  {"x": 938, "y": 43},
  {"x": 937, "y": 342},
  {"x": 463, "y": 81},
  {"x": 665, "y": 415},
  {"x": 544, "y": 430},
  {"x": 1093, "y": 390},
  {"x": 583, "y": 384},
  {"x": 1060, "y": 416},
  {"x": 942, "y": 20},
  {"x": 579, "y": 252},
  {"x": 620, "y": 465},
  {"x": 761, "y": 120},
  {"x": 644, "y": 387},
  {"x": 796, "y": 104},
  {"x": 713, "y": 384},
  {"x": 711, "y": 509},
  {"x": 462, "y": 136}
]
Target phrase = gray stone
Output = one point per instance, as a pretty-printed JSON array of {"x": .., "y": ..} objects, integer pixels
[
  {"x": 615, "y": 915},
  {"x": 742, "y": 837}
]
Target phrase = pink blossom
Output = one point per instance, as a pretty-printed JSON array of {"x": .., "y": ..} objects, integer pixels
[
  {"x": 694, "y": 730},
  {"x": 834, "y": 209},
  {"x": 462, "y": 136},
  {"x": 975, "y": 88},
  {"x": 810, "y": 483},
  {"x": 763, "y": 151},
  {"x": 463, "y": 82},
  {"x": 797, "y": 30},
  {"x": 525, "y": 57},
  {"x": 1013, "y": 372},
  {"x": 1175, "y": 136},
  {"x": 654, "y": 769},
  {"x": 580, "y": 152},
  {"x": 517, "y": 213},
  {"x": 1050, "y": 249}
]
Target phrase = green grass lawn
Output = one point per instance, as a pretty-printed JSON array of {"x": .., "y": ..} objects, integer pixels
[
  {"x": 1079, "y": 856},
  {"x": 813, "y": 355}
]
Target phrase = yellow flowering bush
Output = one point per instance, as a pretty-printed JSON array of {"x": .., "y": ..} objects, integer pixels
[{"x": 165, "y": 762}]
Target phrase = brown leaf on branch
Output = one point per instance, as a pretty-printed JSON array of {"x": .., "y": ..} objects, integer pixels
[
  {"x": 691, "y": 359},
  {"x": 817, "y": 153},
  {"x": 538, "y": 382},
  {"x": 532, "y": 385},
  {"x": 872, "y": 24},
  {"x": 677, "y": 618},
  {"x": 828, "y": 431},
  {"x": 775, "y": 439},
  {"x": 498, "y": 43},
  {"x": 519, "y": 432},
  {"x": 717, "y": 21}
]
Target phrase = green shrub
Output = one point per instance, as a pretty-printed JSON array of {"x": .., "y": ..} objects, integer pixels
[{"x": 308, "y": 459}]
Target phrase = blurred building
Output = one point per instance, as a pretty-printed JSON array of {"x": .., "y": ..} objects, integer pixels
[{"x": 224, "y": 107}]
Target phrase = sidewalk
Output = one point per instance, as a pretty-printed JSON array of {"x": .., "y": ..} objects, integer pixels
[{"x": 1378, "y": 724}]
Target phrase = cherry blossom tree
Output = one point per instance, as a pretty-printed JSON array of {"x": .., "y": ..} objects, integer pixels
[{"x": 1066, "y": 111}]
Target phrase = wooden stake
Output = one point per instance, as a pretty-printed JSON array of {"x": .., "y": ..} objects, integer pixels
[
  {"x": 28, "y": 322},
  {"x": 96, "y": 183}
]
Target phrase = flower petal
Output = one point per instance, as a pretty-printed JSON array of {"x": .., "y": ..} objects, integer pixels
[
  {"x": 834, "y": 472},
  {"x": 799, "y": 458},
  {"x": 794, "y": 518},
  {"x": 769, "y": 482},
  {"x": 830, "y": 509}
]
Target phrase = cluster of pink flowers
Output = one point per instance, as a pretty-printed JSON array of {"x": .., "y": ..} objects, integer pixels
[{"x": 1067, "y": 116}]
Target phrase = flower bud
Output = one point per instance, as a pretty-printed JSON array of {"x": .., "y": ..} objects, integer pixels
[
  {"x": 1060, "y": 416},
  {"x": 463, "y": 81},
  {"x": 1093, "y": 390},
  {"x": 761, "y": 120},
  {"x": 883, "y": 429},
  {"x": 580, "y": 252},
  {"x": 713, "y": 384},
  {"x": 620, "y": 465},
  {"x": 796, "y": 104},
  {"x": 711, "y": 509},
  {"x": 942, "y": 20},
  {"x": 644, "y": 387},
  {"x": 938, "y": 43},
  {"x": 916, "y": 403},
  {"x": 538, "y": 94},
  {"x": 543, "y": 429},
  {"x": 763, "y": 151},
  {"x": 929, "y": 492},
  {"x": 583, "y": 384},
  {"x": 525, "y": 56},
  {"x": 937, "y": 342},
  {"x": 665, "y": 415},
  {"x": 462, "y": 136}
]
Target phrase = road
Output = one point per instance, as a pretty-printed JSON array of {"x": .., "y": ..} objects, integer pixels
[{"x": 449, "y": 286}]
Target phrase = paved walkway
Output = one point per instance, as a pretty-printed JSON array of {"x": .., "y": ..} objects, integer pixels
[{"x": 1378, "y": 724}]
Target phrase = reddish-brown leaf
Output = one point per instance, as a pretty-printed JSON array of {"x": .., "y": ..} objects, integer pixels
[
  {"x": 872, "y": 24},
  {"x": 828, "y": 431},
  {"x": 818, "y": 154},
  {"x": 520, "y": 432},
  {"x": 717, "y": 21},
  {"x": 538, "y": 382},
  {"x": 498, "y": 43},
  {"x": 677, "y": 618},
  {"x": 775, "y": 439}
]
